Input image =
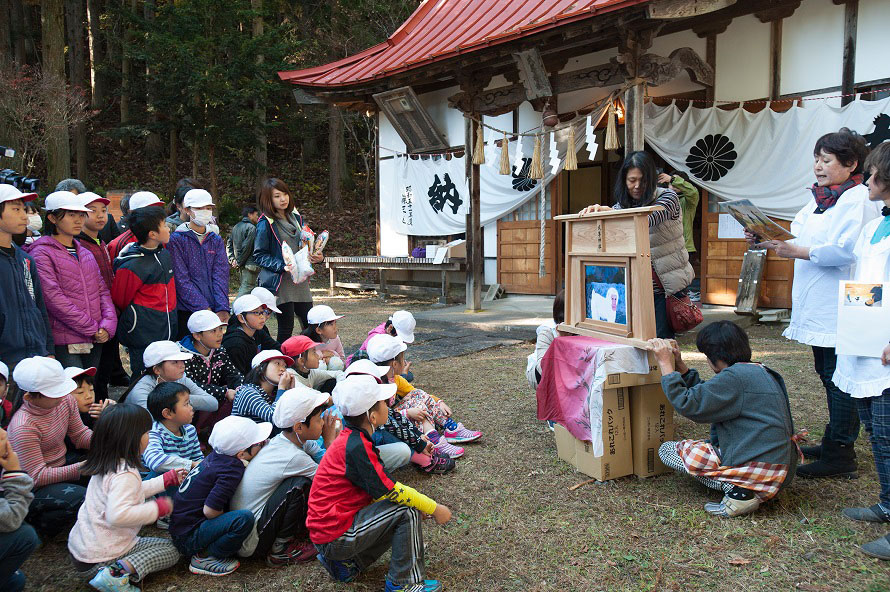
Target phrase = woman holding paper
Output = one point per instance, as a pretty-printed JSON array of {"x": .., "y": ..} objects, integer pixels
[
  {"x": 826, "y": 230},
  {"x": 636, "y": 187}
]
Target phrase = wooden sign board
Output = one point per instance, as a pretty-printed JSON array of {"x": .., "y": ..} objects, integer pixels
[{"x": 608, "y": 293}]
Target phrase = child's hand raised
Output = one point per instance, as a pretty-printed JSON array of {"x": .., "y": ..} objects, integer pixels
[
  {"x": 442, "y": 514},
  {"x": 287, "y": 381},
  {"x": 331, "y": 428}
]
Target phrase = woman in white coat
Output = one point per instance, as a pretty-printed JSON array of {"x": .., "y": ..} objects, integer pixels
[
  {"x": 826, "y": 231},
  {"x": 867, "y": 379}
]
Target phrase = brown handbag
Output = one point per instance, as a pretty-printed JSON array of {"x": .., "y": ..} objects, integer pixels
[{"x": 682, "y": 313}]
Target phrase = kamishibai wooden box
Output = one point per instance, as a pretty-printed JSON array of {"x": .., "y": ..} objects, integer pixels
[{"x": 608, "y": 288}]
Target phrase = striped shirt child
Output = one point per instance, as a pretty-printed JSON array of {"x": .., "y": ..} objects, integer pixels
[
  {"x": 252, "y": 401},
  {"x": 167, "y": 451}
]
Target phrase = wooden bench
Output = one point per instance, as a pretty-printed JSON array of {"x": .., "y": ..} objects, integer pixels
[{"x": 382, "y": 264}]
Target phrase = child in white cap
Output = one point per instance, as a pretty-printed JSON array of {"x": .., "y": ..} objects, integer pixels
[
  {"x": 276, "y": 483},
  {"x": 267, "y": 379},
  {"x": 323, "y": 329},
  {"x": 402, "y": 325},
  {"x": 165, "y": 362},
  {"x": 199, "y": 526},
  {"x": 356, "y": 510},
  {"x": 37, "y": 434},
  {"x": 247, "y": 334}
]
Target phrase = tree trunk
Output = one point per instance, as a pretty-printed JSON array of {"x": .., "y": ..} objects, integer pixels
[
  {"x": 154, "y": 145},
  {"x": 28, "y": 28},
  {"x": 17, "y": 31},
  {"x": 335, "y": 156},
  {"x": 260, "y": 155},
  {"x": 6, "y": 29},
  {"x": 97, "y": 55},
  {"x": 58, "y": 153},
  {"x": 126, "y": 66},
  {"x": 196, "y": 143},
  {"x": 174, "y": 156},
  {"x": 211, "y": 162},
  {"x": 74, "y": 21}
]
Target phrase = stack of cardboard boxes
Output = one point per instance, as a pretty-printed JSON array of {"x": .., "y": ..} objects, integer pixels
[{"x": 637, "y": 419}]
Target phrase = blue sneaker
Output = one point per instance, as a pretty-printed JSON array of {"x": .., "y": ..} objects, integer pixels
[
  {"x": 342, "y": 571},
  {"x": 426, "y": 586},
  {"x": 108, "y": 583}
]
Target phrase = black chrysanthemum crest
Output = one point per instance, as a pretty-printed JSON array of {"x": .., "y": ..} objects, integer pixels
[
  {"x": 521, "y": 181},
  {"x": 711, "y": 157}
]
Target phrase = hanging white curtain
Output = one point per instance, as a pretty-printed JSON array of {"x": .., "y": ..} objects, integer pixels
[{"x": 766, "y": 157}]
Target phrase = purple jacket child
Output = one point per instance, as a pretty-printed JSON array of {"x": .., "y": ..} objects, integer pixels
[
  {"x": 77, "y": 299},
  {"x": 200, "y": 269}
]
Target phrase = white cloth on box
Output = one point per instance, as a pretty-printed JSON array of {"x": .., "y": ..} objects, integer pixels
[
  {"x": 831, "y": 237},
  {"x": 611, "y": 360},
  {"x": 862, "y": 376},
  {"x": 771, "y": 154}
]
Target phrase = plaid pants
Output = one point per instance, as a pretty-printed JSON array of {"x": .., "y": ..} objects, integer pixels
[
  {"x": 148, "y": 556},
  {"x": 702, "y": 461},
  {"x": 875, "y": 415},
  {"x": 843, "y": 420},
  {"x": 374, "y": 530},
  {"x": 418, "y": 398}
]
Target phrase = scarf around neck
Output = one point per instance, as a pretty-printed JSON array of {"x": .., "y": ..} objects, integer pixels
[{"x": 826, "y": 197}]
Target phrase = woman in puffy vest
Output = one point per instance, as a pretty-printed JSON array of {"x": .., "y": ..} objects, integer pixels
[{"x": 637, "y": 187}]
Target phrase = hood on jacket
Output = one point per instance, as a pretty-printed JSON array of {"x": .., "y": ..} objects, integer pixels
[
  {"x": 132, "y": 250},
  {"x": 184, "y": 227},
  {"x": 52, "y": 243}
]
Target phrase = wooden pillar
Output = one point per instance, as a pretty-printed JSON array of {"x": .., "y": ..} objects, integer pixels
[
  {"x": 633, "y": 118},
  {"x": 775, "y": 59},
  {"x": 475, "y": 275},
  {"x": 848, "y": 79},
  {"x": 711, "y": 59}
]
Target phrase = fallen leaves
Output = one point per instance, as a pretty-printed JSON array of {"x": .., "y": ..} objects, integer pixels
[{"x": 739, "y": 561}]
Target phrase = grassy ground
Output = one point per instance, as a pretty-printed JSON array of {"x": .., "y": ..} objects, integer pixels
[{"x": 517, "y": 527}]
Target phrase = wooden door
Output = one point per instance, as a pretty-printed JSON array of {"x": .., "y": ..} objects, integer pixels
[
  {"x": 518, "y": 256},
  {"x": 721, "y": 266}
]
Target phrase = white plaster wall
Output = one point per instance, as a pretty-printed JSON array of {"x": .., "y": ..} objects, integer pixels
[
  {"x": 490, "y": 240},
  {"x": 743, "y": 60},
  {"x": 813, "y": 47},
  {"x": 872, "y": 42},
  {"x": 389, "y": 139},
  {"x": 392, "y": 244},
  {"x": 490, "y": 271}
]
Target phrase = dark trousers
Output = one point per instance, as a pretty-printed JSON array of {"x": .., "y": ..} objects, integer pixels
[
  {"x": 284, "y": 516},
  {"x": 843, "y": 417},
  {"x": 88, "y": 360},
  {"x": 289, "y": 310},
  {"x": 220, "y": 537},
  {"x": 55, "y": 507},
  {"x": 875, "y": 415},
  {"x": 182, "y": 317},
  {"x": 15, "y": 547},
  {"x": 663, "y": 328},
  {"x": 110, "y": 368}
]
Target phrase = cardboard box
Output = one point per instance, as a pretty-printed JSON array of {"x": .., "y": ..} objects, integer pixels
[
  {"x": 652, "y": 423},
  {"x": 617, "y": 458},
  {"x": 456, "y": 249}
]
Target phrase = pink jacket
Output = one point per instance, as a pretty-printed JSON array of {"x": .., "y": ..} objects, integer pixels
[{"x": 77, "y": 300}]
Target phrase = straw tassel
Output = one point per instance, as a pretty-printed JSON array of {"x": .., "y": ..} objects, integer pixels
[
  {"x": 612, "y": 130},
  {"x": 505, "y": 156},
  {"x": 537, "y": 168},
  {"x": 479, "y": 148},
  {"x": 571, "y": 155}
]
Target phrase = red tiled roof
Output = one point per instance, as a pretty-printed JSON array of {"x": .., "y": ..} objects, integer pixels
[{"x": 441, "y": 29}]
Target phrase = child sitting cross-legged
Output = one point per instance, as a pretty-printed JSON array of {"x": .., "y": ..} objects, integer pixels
[
  {"x": 200, "y": 526},
  {"x": 306, "y": 364},
  {"x": 752, "y": 452},
  {"x": 247, "y": 334},
  {"x": 356, "y": 510},
  {"x": 276, "y": 483},
  {"x": 323, "y": 329},
  {"x": 37, "y": 434},
  {"x": 425, "y": 410},
  {"x": 104, "y": 544},
  {"x": 267, "y": 378},
  {"x": 165, "y": 362}
]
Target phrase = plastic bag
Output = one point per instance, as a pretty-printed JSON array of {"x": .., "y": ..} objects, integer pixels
[
  {"x": 320, "y": 241},
  {"x": 297, "y": 263}
]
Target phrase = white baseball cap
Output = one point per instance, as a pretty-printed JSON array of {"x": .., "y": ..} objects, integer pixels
[
  {"x": 203, "y": 320},
  {"x": 384, "y": 347},
  {"x": 234, "y": 433},
  {"x": 266, "y": 297},
  {"x": 321, "y": 314},
  {"x": 11, "y": 193},
  {"x": 270, "y": 354},
  {"x": 163, "y": 351},
  {"x": 88, "y": 197},
  {"x": 144, "y": 199},
  {"x": 4, "y": 371},
  {"x": 295, "y": 405},
  {"x": 368, "y": 367},
  {"x": 73, "y": 372},
  {"x": 64, "y": 200},
  {"x": 246, "y": 303},
  {"x": 43, "y": 375},
  {"x": 197, "y": 198},
  {"x": 404, "y": 323},
  {"x": 354, "y": 395}
]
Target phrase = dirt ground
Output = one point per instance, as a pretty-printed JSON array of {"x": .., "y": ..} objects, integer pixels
[{"x": 517, "y": 527}]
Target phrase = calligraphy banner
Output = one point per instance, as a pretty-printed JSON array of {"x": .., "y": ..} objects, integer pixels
[{"x": 765, "y": 157}]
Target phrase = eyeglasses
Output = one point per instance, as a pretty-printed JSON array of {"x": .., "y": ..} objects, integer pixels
[{"x": 264, "y": 312}]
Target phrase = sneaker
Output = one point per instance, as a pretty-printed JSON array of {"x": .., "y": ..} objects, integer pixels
[
  {"x": 461, "y": 435},
  {"x": 108, "y": 583},
  {"x": 730, "y": 507},
  {"x": 294, "y": 552},
  {"x": 876, "y": 513},
  {"x": 694, "y": 296},
  {"x": 342, "y": 571},
  {"x": 446, "y": 449},
  {"x": 879, "y": 548},
  {"x": 439, "y": 465},
  {"x": 163, "y": 523},
  {"x": 426, "y": 586},
  {"x": 211, "y": 566}
]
